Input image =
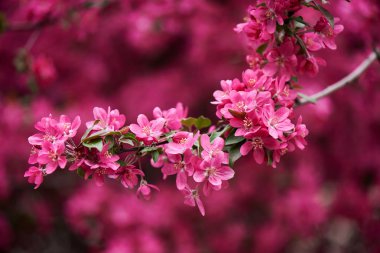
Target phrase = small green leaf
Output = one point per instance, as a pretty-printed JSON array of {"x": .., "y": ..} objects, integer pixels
[
  {"x": 234, "y": 154},
  {"x": 80, "y": 172},
  {"x": 89, "y": 130},
  {"x": 219, "y": 133},
  {"x": 261, "y": 49},
  {"x": 232, "y": 139},
  {"x": 97, "y": 143},
  {"x": 155, "y": 155},
  {"x": 202, "y": 122},
  {"x": 199, "y": 123},
  {"x": 188, "y": 122},
  {"x": 269, "y": 154}
]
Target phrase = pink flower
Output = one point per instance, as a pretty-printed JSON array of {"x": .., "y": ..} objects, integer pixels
[
  {"x": 182, "y": 141},
  {"x": 244, "y": 102},
  {"x": 99, "y": 174},
  {"x": 254, "y": 79},
  {"x": 267, "y": 16},
  {"x": 52, "y": 154},
  {"x": 310, "y": 65},
  {"x": 277, "y": 121},
  {"x": 129, "y": 177},
  {"x": 105, "y": 160},
  {"x": 33, "y": 158},
  {"x": 213, "y": 171},
  {"x": 213, "y": 150},
  {"x": 44, "y": 70},
  {"x": 180, "y": 166},
  {"x": 192, "y": 199},
  {"x": 258, "y": 142},
  {"x": 51, "y": 132},
  {"x": 281, "y": 60},
  {"x": 110, "y": 120},
  {"x": 147, "y": 131},
  {"x": 328, "y": 33},
  {"x": 69, "y": 128},
  {"x": 36, "y": 176},
  {"x": 299, "y": 134},
  {"x": 144, "y": 189},
  {"x": 249, "y": 124},
  {"x": 312, "y": 41},
  {"x": 222, "y": 96},
  {"x": 172, "y": 116}
]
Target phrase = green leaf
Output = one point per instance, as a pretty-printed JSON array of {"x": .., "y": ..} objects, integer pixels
[
  {"x": 202, "y": 122},
  {"x": 155, "y": 155},
  {"x": 97, "y": 143},
  {"x": 234, "y": 154},
  {"x": 300, "y": 20},
  {"x": 188, "y": 122},
  {"x": 269, "y": 154},
  {"x": 199, "y": 123},
  {"x": 89, "y": 130},
  {"x": 232, "y": 139},
  {"x": 219, "y": 133},
  {"x": 261, "y": 49},
  {"x": 80, "y": 172},
  {"x": 149, "y": 149}
]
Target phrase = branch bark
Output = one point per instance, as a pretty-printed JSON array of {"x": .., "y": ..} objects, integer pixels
[{"x": 354, "y": 75}]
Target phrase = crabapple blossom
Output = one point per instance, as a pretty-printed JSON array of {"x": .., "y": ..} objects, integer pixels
[{"x": 147, "y": 131}]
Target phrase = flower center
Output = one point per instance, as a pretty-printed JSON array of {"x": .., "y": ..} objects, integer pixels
[
  {"x": 257, "y": 142},
  {"x": 247, "y": 122},
  {"x": 146, "y": 130},
  {"x": 210, "y": 171},
  {"x": 183, "y": 141}
]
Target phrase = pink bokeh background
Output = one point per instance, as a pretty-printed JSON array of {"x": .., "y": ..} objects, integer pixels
[{"x": 135, "y": 55}]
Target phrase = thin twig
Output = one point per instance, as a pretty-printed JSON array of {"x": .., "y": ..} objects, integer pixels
[{"x": 343, "y": 82}]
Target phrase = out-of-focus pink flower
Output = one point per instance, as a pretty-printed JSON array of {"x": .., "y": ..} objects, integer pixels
[
  {"x": 129, "y": 176},
  {"x": 144, "y": 189},
  {"x": 147, "y": 131},
  {"x": 44, "y": 70},
  {"x": 192, "y": 199}
]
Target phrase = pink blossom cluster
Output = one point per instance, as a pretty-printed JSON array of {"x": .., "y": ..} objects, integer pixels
[
  {"x": 281, "y": 42},
  {"x": 260, "y": 108},
  {"x": 49, "y": 146},
  {"x": 110, "y": 149}
]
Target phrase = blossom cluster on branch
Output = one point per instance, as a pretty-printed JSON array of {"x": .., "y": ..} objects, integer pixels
[{"x": 256, "y": 114}]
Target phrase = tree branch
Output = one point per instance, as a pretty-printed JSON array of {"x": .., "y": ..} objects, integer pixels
[{"x": 343, "y": 82}]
